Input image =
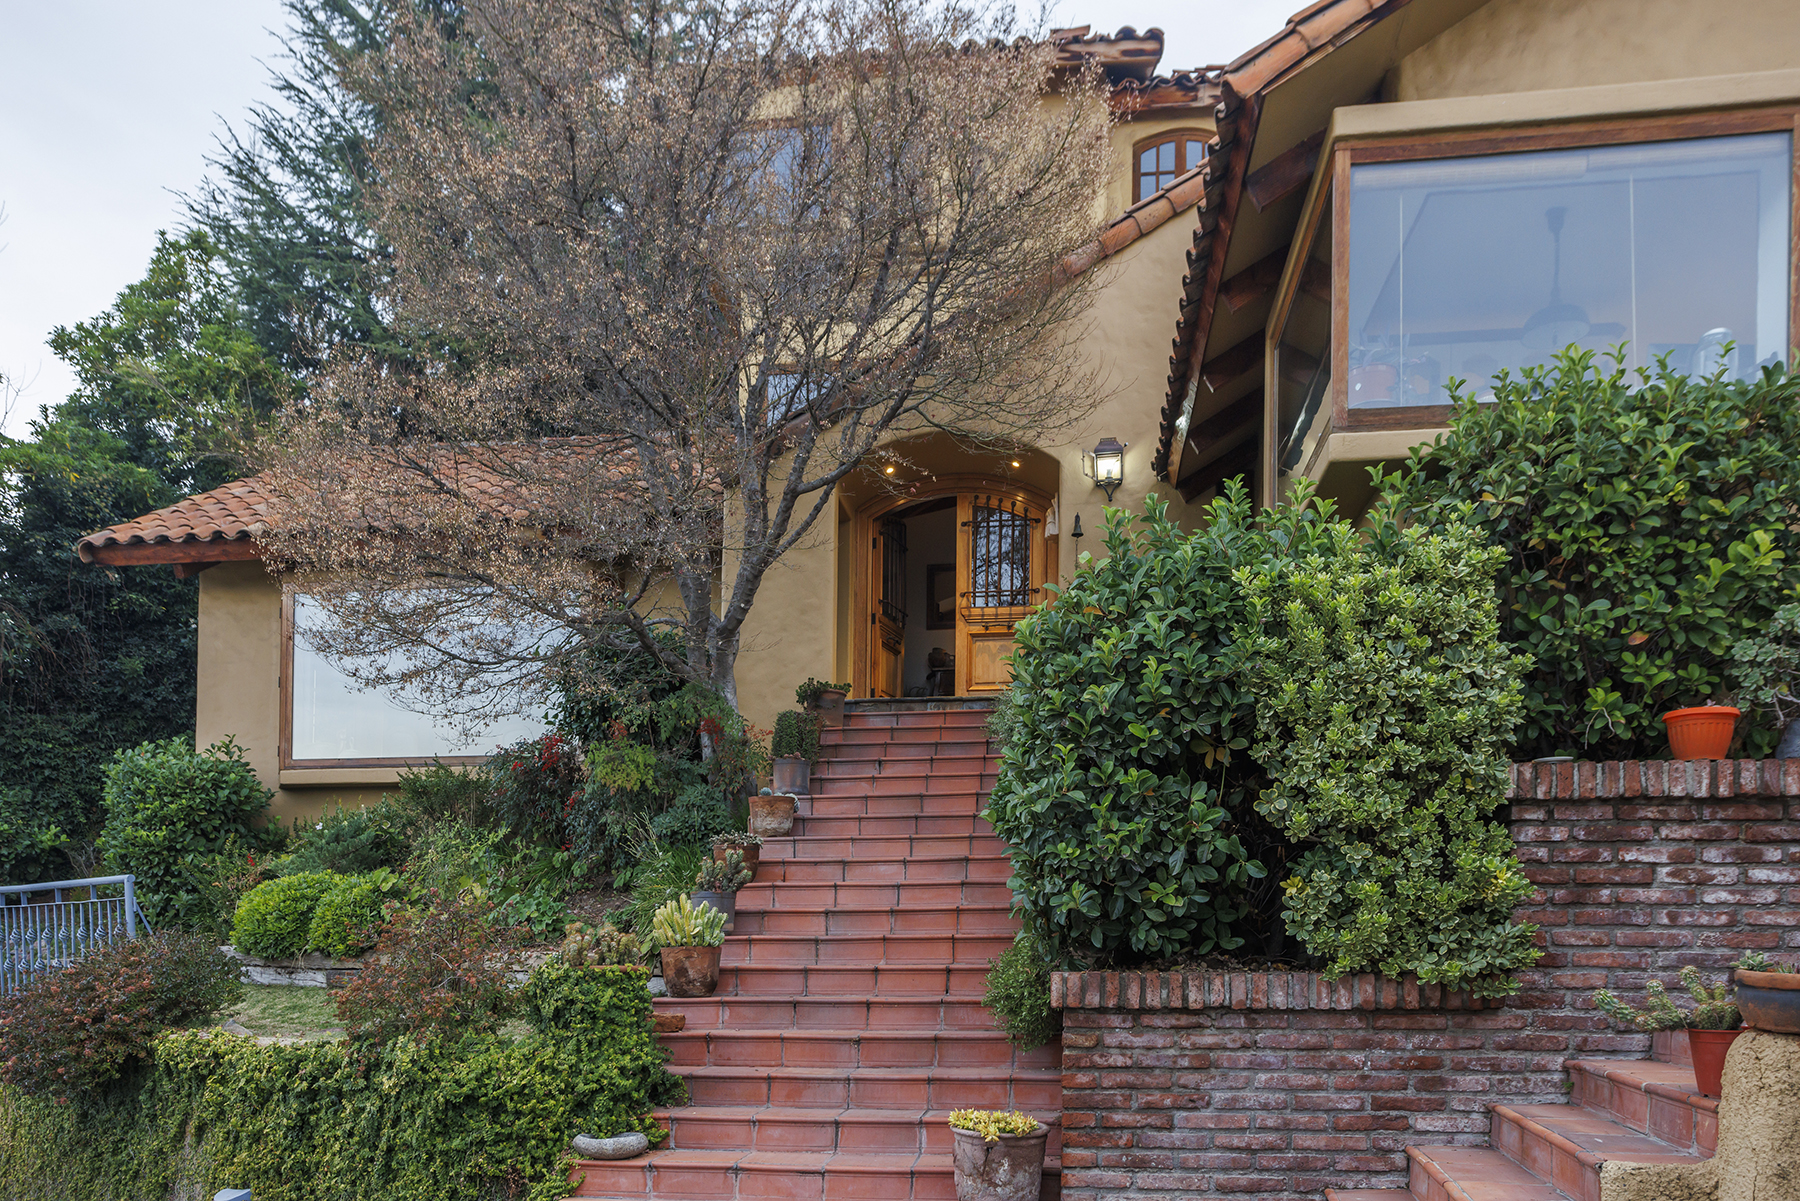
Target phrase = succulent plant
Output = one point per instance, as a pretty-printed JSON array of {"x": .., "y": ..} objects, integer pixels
[
  {"x": 681, "y": 923},
  {"x": 736, "y": 838},
  {"x": 1756, "y": 961},
  {"x": 728, "y": 876},
  {"x": 599, "y": 946},
  {"x": 990, "y": 1124},
  {"x": 1713, "y": 1009}
]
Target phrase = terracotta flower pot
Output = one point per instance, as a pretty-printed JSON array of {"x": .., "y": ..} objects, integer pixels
[
  {"x": 792, "y": 776},
  {"x": 1709, "y": 1047},
  {"x": 752, "y": 856},
  {"x": 772, "y": 816},
  {"x": 690, "y": 971},
  {"x": 830, "y": 706},
  {"x": 1703, "y": 732},
  {"x": 1770, "y": 1000},
  {"x": 724, "y": 902},
  {"x": 1011, "y": 1169}
]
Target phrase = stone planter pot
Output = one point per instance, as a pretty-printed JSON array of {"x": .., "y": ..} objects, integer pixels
[
  {"x": 792, "y": 776},
  {"x": 724, "y": 902},
  {"x": 1703, "y": 732},
  {"x": 1011, "y": 1169},
  {"x": 1770, "y": 1000},
  {"x": 772, "y": 816},
  {"x": 1709, "y": 1048},
  {"x": 690, "y": 971},
  {"x": 830, "y": 706},
  {"x": 752, "y": 857}
]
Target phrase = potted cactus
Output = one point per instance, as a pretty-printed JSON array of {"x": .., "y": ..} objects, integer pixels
[
  {"x": 690, "y": 936},
  {"x": 1712, "y": 1025},
  {"x": 795, "y": 747},
  {"x": 717, "y": 884},
  {"x": 746, "y": 844},
  {"x": 997, "y": 1156}
]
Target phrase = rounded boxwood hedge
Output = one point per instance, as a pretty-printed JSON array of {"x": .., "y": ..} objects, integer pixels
[
  {"x": 346, "y": 918},
  {"x": 275, "y": 918}
]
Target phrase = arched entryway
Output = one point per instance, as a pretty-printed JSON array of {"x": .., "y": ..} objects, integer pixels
[{"x": 942, "y": 574}]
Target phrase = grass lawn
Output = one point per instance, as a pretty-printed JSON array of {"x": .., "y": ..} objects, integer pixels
[{"x": 286, "y": 1011}]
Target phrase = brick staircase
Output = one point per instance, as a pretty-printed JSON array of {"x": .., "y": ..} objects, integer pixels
[
  {"x": 1626, "y": 1110},
  {"x": 848, "y": 1022}
]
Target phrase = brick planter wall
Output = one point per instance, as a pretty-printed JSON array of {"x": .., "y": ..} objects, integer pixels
[{"x": 1281, "y": 1084}]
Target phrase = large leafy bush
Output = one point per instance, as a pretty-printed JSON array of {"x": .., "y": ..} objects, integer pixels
[
  {"x": 1648, "y": 524},
  {"x": 169, "y": 805},
  {"x": 347, "y": 841},
  {"x": 66, "y": 1033},
  {"x": 1385, "y": 702},
  {"x": 1125, "y": 781},
  {"x": 347, "y": 918},
  {"x": 436, "y": 970},
  {"x": 275, "y": 919}
]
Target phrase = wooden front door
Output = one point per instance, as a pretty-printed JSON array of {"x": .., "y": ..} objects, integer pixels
[
  {"x": 887, "y": 634},
  {"x": 1000, "y": 569}
]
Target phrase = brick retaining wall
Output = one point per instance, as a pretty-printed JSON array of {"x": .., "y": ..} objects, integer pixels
[{"x": 1280, "y": 1084}]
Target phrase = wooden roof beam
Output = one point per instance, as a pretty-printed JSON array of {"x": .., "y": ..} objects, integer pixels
[
  {"x": 1284, "y": 174},
  {"x": 1229, "y": 364}
]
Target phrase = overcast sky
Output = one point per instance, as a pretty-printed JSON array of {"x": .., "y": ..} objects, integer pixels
[{"x": 108, "y": 109}]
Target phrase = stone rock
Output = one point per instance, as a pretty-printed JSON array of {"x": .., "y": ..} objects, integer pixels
[
  {"x": 232, "y": 1026},
  {"x": 623, "y": 1146},
  {"x": 657, "y": 987}
]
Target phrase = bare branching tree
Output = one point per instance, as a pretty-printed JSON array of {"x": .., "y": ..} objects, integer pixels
[{"x": 694, "y": 265}]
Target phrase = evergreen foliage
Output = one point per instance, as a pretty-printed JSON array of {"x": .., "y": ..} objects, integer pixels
[
  {"x": 275, "y": 919},
  {"x": 346, "y": 841},
  {"x": 1018, "y": 992},
  {"x": 1648, "y": 523},
  {"x": 346, "y": 919}
]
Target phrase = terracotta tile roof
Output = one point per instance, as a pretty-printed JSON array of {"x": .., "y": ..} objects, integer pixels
[
  {"x": 1309, "y": 32},
  {"x": 234, "y": 513},
  {"x": 1199, "y": 186}
]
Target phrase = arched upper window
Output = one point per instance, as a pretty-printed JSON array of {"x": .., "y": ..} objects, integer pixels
[{"x": 1163, "y": 159}]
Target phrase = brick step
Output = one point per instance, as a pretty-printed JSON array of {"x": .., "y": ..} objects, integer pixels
[
  {"x": 1657, "y": 1099},
  {"x": 1368, "y": 1194},
  {"x": 862, "y": 1131},
  {"x": 848, "y": 1049},
  {"x": 876, "y": 1088},
  {"x": 872, "y": 763},
  {"x": 1466, "y": 1173},
  {"x": 884, "y": 846},
  {"x": 799, "y": 1176},
  {"x": 952, "y": 747},
  {"x": 911, "y": 805},
  {"x": 865, "y": 948},
  {"x": 966, "y": 784},
  {"x": 854, "y": 733},
  {"x": 949, "y": 1012},
  {"x": 879, "y": 919},
  {"x": 917, "y": 719},
  {"x": 963, "y": 823},
  {"x": 992, "y": 868},
  {"x": 837, "y": 980},
  {"x": 873, "y": 894},
  {"x": 1566, "y": 1145}
]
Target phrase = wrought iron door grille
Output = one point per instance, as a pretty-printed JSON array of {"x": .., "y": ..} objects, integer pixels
[
  {"x": 999, "y": 555},
  {"x": 893, "y": 571},
  {"x": 45, "y": 936}
]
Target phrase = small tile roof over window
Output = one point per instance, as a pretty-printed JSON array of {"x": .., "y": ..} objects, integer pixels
[{"x": 225, "y": 519}]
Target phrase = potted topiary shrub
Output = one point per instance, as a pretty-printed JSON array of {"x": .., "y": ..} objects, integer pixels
[
  {"x": 1701, "y": 732},
  {"x": 744, "y": 843},
  {"x": 795, "y": 746},
  {"x": 824, "y": 699},
  {"x": 997, "y": 1156},
  {"x": 1768, "y": 994},
  {"x": 1712, "y": 1025},
  {"x": 690, "y": 936},
  {"x": 717, "y": 884}
]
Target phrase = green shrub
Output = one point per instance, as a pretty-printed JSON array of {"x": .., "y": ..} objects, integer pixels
[
  {"x": 275, "y": 919},
  {"x": 661, "y": 874},
  {"x": 1018, "y": 991},
  {"x": 796, "y": 736},
  {"x": 347, "y": 842},
  {"x": 168, "y": 804},
  {"x": 698, "y": 815},
  {"x": 1648, "y": 525},
  {"x": 28, "y": 840},
  {"x": 347, "y": 918},
  {"x": 1385, "y": 701},
  {"x": 438, "y": 794},
  {"x": 437, "y": 970},
  {"x": 1124, "y": 790},
  {"x": 66, "y": 1033}
]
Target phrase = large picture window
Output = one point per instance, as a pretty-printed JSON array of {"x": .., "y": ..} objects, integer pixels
[
  {"x": 1463, "y": 266},
  {"x": 333, "y": 720}
]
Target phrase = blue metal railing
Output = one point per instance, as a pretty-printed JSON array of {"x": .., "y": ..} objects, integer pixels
[{"x": 45, "y": 936}]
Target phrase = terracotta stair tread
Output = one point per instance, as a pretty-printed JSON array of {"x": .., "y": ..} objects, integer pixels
[
  {"x": 897, "y": 949},
  {"x": 895, "y": 894},
  {"x": 852, "y": 1048},
  {"x": 776, "y": 1128},
  {"x": 875, "y": 1088},
  {"x": 988, "y": 868},
  {"x": 848, "y": 1012},
  {"x": 807, "y": 1176},
  {"x": 1653, "y": 1098},
  {"x": 1473, "y": 1174},
  {"x": 835, "y": 979},
  {"x": 1368, "y": 1194}
]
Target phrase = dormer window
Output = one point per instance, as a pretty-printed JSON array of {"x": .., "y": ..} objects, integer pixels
[{"x": 1163, "y": 159}]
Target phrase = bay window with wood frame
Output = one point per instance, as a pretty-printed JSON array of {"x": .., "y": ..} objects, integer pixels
[{"x": 1469, "y": 253}]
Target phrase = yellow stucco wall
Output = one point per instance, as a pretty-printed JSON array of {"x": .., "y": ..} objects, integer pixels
[{"x": 1533, "y": 45}]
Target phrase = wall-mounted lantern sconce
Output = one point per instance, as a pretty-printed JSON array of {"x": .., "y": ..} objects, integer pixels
[{"x": 1106, "y": 465}]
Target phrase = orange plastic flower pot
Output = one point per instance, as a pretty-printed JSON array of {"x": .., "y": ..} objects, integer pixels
[{"x": 1701, "y": 733}]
